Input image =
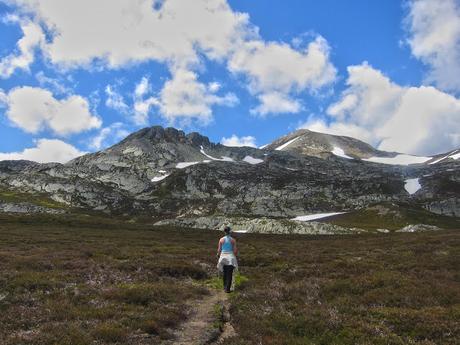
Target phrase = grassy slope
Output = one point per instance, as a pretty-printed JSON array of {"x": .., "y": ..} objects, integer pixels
[
  {"x": 392, "y": 217},
  {"x": 7, "y": 195},
  {"x": 114, "y": 282}
]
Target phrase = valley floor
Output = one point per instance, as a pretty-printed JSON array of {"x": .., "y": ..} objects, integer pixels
[{"x": 96, "y": 281}]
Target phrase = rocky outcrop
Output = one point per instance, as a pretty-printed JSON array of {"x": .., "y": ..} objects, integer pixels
[
  {"x": 418, "y": 228},
  {"x": 258, "y": 225},
  {"x": 25, "y": 207}
]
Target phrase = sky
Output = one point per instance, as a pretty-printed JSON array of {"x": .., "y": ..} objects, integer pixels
[{"x": 78, "y": 76}]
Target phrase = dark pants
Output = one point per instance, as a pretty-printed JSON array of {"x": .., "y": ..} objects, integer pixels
[{"x": 228, "y": 273}]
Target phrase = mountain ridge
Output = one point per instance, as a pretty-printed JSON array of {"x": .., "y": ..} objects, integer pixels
[{"x": 164, "y": 173}]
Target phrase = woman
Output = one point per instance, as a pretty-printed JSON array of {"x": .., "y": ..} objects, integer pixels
[{"x": 226, "y": 252}]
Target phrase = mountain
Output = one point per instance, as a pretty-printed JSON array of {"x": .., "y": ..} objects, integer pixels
[
  {"x": 309, "y": 143},
  {"x": 165, "y": 175},
  {"x": 323, "y": 145}
]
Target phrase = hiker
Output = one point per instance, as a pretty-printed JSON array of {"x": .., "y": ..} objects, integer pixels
[{"x": 227, "y": 264}]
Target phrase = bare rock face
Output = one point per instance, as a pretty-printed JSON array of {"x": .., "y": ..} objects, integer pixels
[{"x": 164, "y": 173}]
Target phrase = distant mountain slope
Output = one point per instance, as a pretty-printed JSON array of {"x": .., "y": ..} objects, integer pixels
[
  {"x": 164, "y": 173},
  {"x": 323, "y": 145}
]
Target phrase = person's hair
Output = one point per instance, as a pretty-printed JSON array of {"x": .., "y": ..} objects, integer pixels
[{"x": 227, "y": 230}]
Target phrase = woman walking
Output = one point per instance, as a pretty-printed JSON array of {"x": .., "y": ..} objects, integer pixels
[{"x": 226, "y": 252}]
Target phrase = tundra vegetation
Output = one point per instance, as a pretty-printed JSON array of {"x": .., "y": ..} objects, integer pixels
[{"x": 88, "y": 280}]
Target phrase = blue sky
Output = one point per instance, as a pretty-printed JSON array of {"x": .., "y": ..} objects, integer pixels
[{"x": 78, "y": 76}]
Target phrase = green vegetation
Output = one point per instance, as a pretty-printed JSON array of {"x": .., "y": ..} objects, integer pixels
[
  {"x": 36, "y": 199},
  {"x": 87, "y": 280},
  {"x": 216, "y": 282},
  {"x": 392, "y": 217}
]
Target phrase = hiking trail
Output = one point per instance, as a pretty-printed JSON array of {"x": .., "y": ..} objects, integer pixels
[{"x": 202, "y": 325}]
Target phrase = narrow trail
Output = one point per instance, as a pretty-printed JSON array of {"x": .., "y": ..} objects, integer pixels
[{"x": 201, "y": 326}]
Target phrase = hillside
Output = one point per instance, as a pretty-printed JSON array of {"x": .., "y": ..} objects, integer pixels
[{"x": 162, "y": 173}]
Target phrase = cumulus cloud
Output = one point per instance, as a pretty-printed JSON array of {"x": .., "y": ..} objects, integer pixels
[
  {"x": 182, "y": 96},
  {"x": 275, "y": 71},
  {"x": 185, "y": 96},
  {"x": 277, "y": 67},
  {"x": 416, "y": 120},
  {"x": 434, "y": 38},
  {"x": 33, "y": 109},
  {"x": 46, "y": 150},
  {"x": 276, "y": 102},
  {"x": 32, "y": 37},
  {"x": 234, "y": 140},
  {"x": 134, "y": 31},
  {"x": 108, "y": 136}
]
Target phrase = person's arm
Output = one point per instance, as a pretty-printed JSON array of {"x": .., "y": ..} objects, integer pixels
[
  {"x": 235, "y": 249},
  {"x": 219, "y": 247}
]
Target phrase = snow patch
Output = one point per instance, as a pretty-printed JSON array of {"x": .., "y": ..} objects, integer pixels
[
  {"x": 279, "y": 148},
  {"x": 438, "y": 160},
  {"x": 240, "y": 231},
  {"x": 159, "y": 178},
  {"x": 455, "y": 156},
  {"x": 183, "y": 165},
  {"x": 252, "y": 160},
  {"x": 263, "y": 146},
  {"x": 308, "y": 217},
  {"x": 412, "y": 185},
  {"x": 340, "y": 153},
  {"x": 401, "y": 159},
  {"x": 223, "y": 159}
]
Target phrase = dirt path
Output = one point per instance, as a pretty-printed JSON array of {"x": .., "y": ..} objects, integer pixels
[{"x": 201, "y": 327}]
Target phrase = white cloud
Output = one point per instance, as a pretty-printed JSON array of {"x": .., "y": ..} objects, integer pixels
[
  {"x": 46, "y": 150},
  {"x": 415, "y": 120},
  {"x": 181, "y": 96},
  {"x": 434, "y": 37},
  {"x": 32, "y": 37},
  {"x": 33, "y": 109},
  {"x": 108, "y": 136},
  {"x": 275, "y": 71},
  {"x": 115, "y": 100},
  {"x": 134, "y": 31},
  {"x": 278, "y": 67},
  {"x": 185, "y": 96},
  {"x": 234, "y": 140},
  {"x": 54, "y": 84},
  {"x": 276, "y": 102},
  {"x": 142, "y": 88}
]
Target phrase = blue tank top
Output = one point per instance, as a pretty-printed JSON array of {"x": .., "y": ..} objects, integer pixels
[{"x": 227, "y": 246}]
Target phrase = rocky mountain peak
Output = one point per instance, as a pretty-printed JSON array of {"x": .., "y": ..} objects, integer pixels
[
  {"x": 159, "y": 134},
  {"x": 156, "y": 134},
  {"x": 196, "y": 139}
]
